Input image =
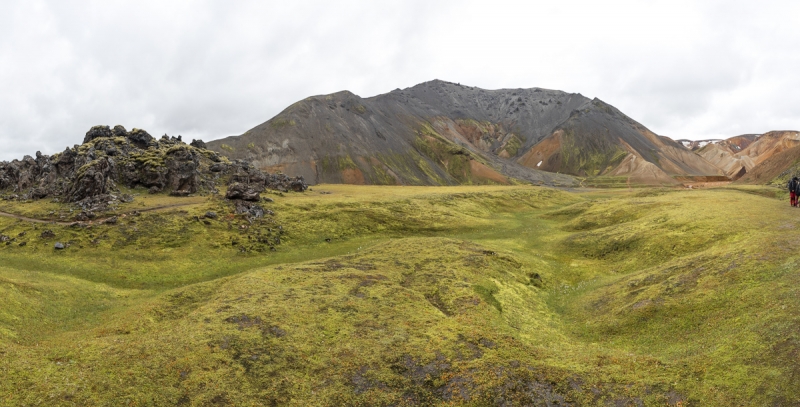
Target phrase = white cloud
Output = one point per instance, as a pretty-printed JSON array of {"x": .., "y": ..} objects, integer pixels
[{"x": 209, "y": 69}]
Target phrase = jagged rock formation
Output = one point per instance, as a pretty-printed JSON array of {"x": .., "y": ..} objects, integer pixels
[
  {"x": 444, "y": 133},
  {"x": 92, "y": 172}
]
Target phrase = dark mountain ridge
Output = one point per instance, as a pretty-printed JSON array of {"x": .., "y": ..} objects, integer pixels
[{"x": 441, "y": 133}]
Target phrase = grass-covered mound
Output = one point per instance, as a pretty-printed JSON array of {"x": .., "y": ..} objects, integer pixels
[{"x": 409, "y": 296}]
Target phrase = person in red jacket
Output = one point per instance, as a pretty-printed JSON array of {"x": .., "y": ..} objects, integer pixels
[{"x": 794, "y": 184}]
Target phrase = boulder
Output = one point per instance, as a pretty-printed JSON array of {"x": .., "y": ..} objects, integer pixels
[
  {"x": 182, "y": 163},
  {"x": 242, "y": 191},
  {"x": 97, "y": 203},
  {"x": 59, "y": 246},
  {"x": 92, "y": 179},
  {"x": 97, "y": 132},
  {"x": 198, "y": 144},
  {"x": 218, "y": 167},
  {"x": 140, "y": 138},
  {"x": 298, "y": 185},
  {"x": 251, "y": 210},
  {"x": 119, "y": 131}
]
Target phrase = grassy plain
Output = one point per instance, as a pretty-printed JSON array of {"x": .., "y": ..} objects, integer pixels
[{"x": 408, "y": 296}]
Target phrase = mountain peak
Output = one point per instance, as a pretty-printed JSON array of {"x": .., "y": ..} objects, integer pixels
[{"x": 439, "y": 133}]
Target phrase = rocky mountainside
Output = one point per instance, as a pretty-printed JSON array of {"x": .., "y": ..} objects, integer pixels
[
  {"x": 740, "y": 155},
  {"x": 777, "y": 169},
  {"x": 736, "y": 144},
  {"x": 598, "y": 139},
  {"x": 697, "y": 144},
  {"x": 91, "y": 174},
  {"x": 445, "y": 133}
]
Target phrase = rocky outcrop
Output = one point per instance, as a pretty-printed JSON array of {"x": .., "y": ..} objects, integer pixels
[
  {"x": 198, "y": 144},
  {"x": 91, "y": 173},
  {"x": 92, "y": 179},
  {"x": 242, "y": 191}
]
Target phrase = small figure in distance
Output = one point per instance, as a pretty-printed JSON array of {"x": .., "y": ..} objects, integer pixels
[
  {"x": 796, "y": 192},
  {"x": 793, "y": 187}
]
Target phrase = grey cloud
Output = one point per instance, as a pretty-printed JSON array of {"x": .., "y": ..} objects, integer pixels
[{"x": 209, "y": 69}]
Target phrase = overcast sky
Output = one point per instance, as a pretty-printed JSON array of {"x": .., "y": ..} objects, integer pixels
[{"x": 209, "y": 69}]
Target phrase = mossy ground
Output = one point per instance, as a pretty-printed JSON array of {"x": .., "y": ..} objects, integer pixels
[{"x": 410, "y": 296}]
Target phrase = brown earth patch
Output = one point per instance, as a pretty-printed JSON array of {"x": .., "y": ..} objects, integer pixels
[
  {"x": 287, "y": 167},
  {"x": 703, "y": 178},
  {"x": 641, "y": 171},
  {"x": 481, "y": 171},
  {"x": 542, "y": 151},
  {"x": 352, "y": 176}
]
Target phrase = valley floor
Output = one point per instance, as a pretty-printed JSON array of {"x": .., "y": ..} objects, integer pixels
[{"x": 368, "y": 295}]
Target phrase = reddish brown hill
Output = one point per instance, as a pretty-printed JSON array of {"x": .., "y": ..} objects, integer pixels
[
  {"x": 775, "y": 169},
  {"x": 770, "y": 144},
  {"x": 740, "y": 155},
  {"x": 739, "y": 143}
]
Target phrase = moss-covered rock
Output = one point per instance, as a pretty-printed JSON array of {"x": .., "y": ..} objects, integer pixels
[{"x": 110, "y": 157}]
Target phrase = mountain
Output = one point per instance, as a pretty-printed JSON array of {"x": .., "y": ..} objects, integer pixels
[
  {"x": 598, "y": 139},
  {"x": 442, "y": 133},
  {"x": 740, "y": 155},
  {"x": 777, "y": 169},
  {"x": 696, "y": 144},
  {"x": 736, "y": 144}
]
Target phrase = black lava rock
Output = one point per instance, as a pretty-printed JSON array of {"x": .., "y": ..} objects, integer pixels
[
  {"x": 97, "y": 132},
  {"x": 198, "y": 144},
  {"x": 242, "y": 191}
]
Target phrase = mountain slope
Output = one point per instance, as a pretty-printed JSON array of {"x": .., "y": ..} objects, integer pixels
[
  {"x": 439, "y": 133},
  {"x": 777, "y": 169},
  {"x": 598, "y": 139},
  {"x": 740, "y": 155}
]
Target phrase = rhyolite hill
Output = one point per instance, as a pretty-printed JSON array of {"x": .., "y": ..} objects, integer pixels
[{"x": 442, "y": 133}]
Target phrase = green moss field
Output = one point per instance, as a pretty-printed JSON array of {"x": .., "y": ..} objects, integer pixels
[{"x": 406, "y": 296}]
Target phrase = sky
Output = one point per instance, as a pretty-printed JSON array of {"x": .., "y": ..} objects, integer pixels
[{"x": 211, "y": 69}]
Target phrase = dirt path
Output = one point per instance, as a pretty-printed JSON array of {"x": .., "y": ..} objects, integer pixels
[{"x": 54, "y": 222}]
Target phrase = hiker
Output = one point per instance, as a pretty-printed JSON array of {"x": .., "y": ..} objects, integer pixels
[
  {"x": 793, "y": 187},
  {"x": 796, "y": 192}
]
